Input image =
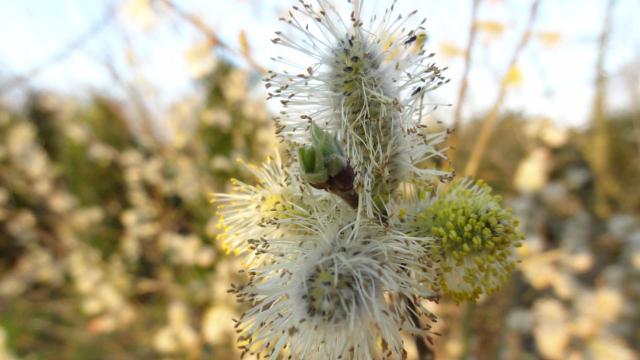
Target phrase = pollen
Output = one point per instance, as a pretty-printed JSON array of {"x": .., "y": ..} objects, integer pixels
[{"x": 476, "y": 236}]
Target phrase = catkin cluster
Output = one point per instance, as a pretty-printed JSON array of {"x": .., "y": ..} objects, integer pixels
[{"x": 345, "y": 238}]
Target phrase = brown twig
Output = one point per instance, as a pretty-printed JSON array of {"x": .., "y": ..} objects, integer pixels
[
  {"x": 604, "y": 184},
  {"x": 342, "y": 186},
  {"x": 137, "y": 99},
  {"x": 75, "y": 45},
  {"x": 423, "y": 350},
  {"x": 210, "y": 34},
  {"x": 464, "y": 84},
  {"x": 487, "y": 127}
]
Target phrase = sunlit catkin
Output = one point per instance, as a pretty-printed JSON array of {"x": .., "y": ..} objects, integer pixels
[{"x": 338, "y": 257}]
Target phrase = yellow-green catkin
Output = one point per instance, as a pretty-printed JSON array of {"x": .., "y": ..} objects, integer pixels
[{"x": 475, "y": 237}]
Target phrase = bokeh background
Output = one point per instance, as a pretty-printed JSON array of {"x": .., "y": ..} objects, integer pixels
[{"x": 118, "y": 118}]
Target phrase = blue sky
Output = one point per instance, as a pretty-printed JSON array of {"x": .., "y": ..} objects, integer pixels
[{"x": 557, "y": 81}]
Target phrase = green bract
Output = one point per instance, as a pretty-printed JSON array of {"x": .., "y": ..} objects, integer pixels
[{"x": 323, "y": 158}]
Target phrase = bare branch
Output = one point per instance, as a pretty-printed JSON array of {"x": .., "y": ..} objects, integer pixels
[
  {"x": 487, "y": 127},
  {"x": 464, "y": 84},
  {"x": 75, "y": 45}
]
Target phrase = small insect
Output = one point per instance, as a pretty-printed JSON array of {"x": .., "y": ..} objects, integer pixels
[{"x": 411, "y": 39}]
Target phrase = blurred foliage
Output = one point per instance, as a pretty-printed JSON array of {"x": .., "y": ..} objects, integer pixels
[{"x": 106, "y": 238}]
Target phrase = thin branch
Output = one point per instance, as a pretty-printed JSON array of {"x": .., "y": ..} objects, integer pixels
[
  {"x": 487, "y": 127},
  {"x": 464, "y": 84},
  {"x": 68, "y": 50},
  {"x": 210, "y": 34},
  {"x": 137, "y": 98},
  {"x": 423, "y": 350},
  {"x": 600, "y": 146}
]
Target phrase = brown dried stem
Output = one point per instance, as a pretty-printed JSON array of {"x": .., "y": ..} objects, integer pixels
[
  {"x": 210, "y": 34},
  {"x": 342, "y": 186},
  {"x": 605, "y": 185},
  {"x": 487, "y": 127},
  {"x": 464, "y": 84},
  {"x": 71, "y": 48}
]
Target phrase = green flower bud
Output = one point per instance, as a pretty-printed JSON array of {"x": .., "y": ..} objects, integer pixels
[
  {"x": 312, "y": 165},
  {"x": 475, "y": 237},
  {"x": 322, "y": 159}
]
